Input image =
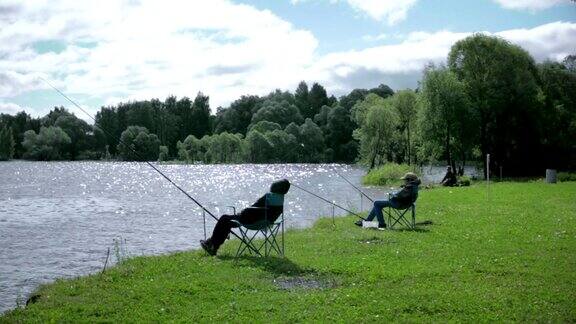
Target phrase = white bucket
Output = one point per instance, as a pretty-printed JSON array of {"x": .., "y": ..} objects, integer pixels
[{"x": 367, "y": 224}]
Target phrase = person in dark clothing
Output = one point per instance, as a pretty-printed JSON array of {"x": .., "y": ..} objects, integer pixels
[
  {"x": 449, "y": 179},
  {"x": 269, "y": 207},
  {"x": 398, "y": 200}
]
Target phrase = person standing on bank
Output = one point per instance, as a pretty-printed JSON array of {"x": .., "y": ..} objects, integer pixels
[
  {"x": 269, "y": 207},
  {"x": 398, "y": 200}
]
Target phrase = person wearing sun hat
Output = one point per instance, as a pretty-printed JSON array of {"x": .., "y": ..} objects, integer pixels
[{"x": 399, "y": 200}]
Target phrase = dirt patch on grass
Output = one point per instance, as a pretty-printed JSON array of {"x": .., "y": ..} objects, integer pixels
[{"x": 294, "y": 283}]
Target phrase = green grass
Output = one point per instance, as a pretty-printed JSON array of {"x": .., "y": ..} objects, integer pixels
[
  {"x": 503, "y": 253},
  {"x": 388, "y": 174}
]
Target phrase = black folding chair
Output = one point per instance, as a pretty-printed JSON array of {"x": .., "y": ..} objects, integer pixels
[
  {"x": 400, "y": 216},
  {"x": 272, "y": 234}
]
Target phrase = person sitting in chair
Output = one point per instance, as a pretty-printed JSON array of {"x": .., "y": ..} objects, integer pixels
[
  {"x": 269, "y": 207},
  {"x": 449, "y": 179},
  {"x": 399, "y": 200}
]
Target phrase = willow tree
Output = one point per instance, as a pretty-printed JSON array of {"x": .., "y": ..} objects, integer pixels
[
  {"x": 137, "y": 144},
  {"x": 446, "y": 123},
  {"x": 406, "y": 107},
  {"x": 377, "y": 120}
]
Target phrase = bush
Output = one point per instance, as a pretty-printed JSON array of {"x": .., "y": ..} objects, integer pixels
[
  {"x": 47, "y": 145},
  {"x": 464, "y": 181},
  {"x": 566, "y": 176},
  {"x": 389, "y": 173},
  {"x": 163, "y": 155}
]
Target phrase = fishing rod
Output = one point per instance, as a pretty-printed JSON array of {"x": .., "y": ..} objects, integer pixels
[
  {"x": 350, "y": 183},
  {"x": 328, "y": 201},
  {"x": 138, "y": 155}
]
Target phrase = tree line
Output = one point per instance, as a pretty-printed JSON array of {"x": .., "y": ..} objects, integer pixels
[{"x": 490, "y": 98}]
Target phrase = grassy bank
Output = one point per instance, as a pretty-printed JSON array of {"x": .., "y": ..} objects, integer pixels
[
  {"x": 388, "y": 174},
  {"x": 507, "y": 254}
]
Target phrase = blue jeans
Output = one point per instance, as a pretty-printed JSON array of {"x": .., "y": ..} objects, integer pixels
[{"x": 377, "y": 211}]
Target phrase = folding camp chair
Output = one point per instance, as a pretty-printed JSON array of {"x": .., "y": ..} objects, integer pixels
[
  {"x": 398, "y": 216},
  {"x": 266, "y": 230}
]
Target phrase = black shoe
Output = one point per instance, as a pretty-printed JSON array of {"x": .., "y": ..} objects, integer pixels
[
  {"x": 382, "y": 226},
  {"x": 358, "y": 223},
  {"x": 208, "y": 247}
]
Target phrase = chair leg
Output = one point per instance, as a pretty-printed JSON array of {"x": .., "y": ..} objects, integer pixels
[
  {"x": 274, "y": 246},
  {"x": 399, "y": 217},
  {"x": 268, "y": 245},
  {"x": 248, "y": 244}
]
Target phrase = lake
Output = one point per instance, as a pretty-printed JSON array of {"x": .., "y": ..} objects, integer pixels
[{"x": 58, "y": 219}]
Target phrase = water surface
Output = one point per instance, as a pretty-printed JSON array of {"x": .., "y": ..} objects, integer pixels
[{"x": 57, "y": 219}]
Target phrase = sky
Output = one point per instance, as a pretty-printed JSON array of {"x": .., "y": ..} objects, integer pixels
[{"x": 105, "y": 52}]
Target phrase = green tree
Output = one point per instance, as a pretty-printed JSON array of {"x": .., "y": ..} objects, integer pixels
[
  {"x": 200, "y": 116},
  {"x": 348, "y": 101},
  {"x": 238, "y": 116},
  {"x": 378, "y": 121},
  {"x": 190, "y": 149},
  {"x": 163, "y": 153},
  {"x": 224, "y": 148},
  {"x": 137, "y": 144},
  {"x": 297, "y": 149},
  {"x": 501, "y": 82},
  {"x": 383, "y": 91},
  {"x": 339, "y": 135},
  {"x": 282, "y": 113},
  {"x": 280, "y": 96},
  {"x": 301, "y": 98},
  {"x": 316, "y": 98},
  {"x": 107, "y": 120},
  {"x": 283, "y": 145},
  {"x": 312, "y": 142},
  {"x": 47, "y": 145},
  {"x": 405, "y": 104},
  {"x": 445, "y": 116},
  {"x": 6, "y": 144},
  {"x": 559, "y": 90},
  {"x": 260, "y": 150},
  {"x": 79, "y": 132},
  {"x": 19, "y": 123},
  {"x": 264, "y": 126}
]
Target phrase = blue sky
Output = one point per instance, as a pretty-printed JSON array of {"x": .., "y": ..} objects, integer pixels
[
  {"x": 102, "y": 53},
  {"x": 340, "y": 28}
]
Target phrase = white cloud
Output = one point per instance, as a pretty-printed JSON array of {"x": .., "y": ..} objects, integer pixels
[
  {"x": 401, "y": 65},
  {"x": 13, "y": 83},
  {"x": 150, "y": 49},
  {"x": 147, "y": 49},
  {"x": 9, "y": 108},
  {"x": 530, "y": 4},
  {"x": 552, "y": 41},
  {"x": 375, "y": 38},
  {"x": 393, "y": 11}
]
